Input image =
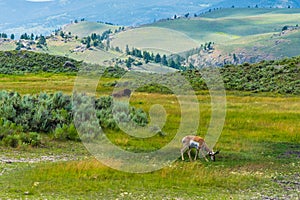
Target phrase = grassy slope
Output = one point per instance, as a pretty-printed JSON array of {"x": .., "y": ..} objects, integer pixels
[
  {"x": 228, "y": 28},
  {"x": 237, "y": 22},
  {"x": 64, "y": 49},
  {"x": 83, "y": 29},
  {"x": 155, "y": 39},
  {"x": 7, "y": 46}
]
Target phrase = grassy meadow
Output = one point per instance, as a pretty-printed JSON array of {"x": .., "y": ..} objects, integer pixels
[
  {"x": 259, "y": 155},
  {"x": 82, "y": 29}
]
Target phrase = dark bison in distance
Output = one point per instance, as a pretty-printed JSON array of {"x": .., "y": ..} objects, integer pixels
[{"x": 122, "y": 93}]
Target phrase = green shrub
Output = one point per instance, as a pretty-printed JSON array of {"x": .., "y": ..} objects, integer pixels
[
  {"x": 53, "y": 113},
  {"x": 66, "y": 133},
  {"x": 34, "y": 139},
  {"x": 11, "y": 141}
]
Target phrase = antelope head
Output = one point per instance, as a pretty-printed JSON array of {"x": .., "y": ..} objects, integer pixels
[{"x": 213, "y": 154}]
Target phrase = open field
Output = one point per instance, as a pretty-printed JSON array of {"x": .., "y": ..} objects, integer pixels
[
  {"x": 83, "y": 29},
  {"x": 236, "y": 22},
  {"x": 153, "y": 39},
  {"x": 259, "y": 155}
]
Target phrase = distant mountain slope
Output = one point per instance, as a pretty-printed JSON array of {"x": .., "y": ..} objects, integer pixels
[
  {"x": 238, "y": 35},
  {"x": 260, "y": 3},
  {"x": 21, "y": 16},
  {"x": 216, "y": 38},
  {"x": 83, "y": 29}
]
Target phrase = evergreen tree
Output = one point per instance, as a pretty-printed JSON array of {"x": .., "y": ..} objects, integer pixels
[
  {"x": 128, "y": 63},
  {"x": 3, "y": 35},
  {"x": 62, "y": 34},
  {"x": 157, "y": 58},
  {"x": 12, "y": 36},
  {"x": 164, "y": 60},
  {"x": 88, "y": 45},
  {"x": 146, "y": 56},
  {"x": 42, "y": 41},
  {"x": 127, "y": 50},
  {"x": 172, "y": 63},
  {"x": 94, "y": 36}
]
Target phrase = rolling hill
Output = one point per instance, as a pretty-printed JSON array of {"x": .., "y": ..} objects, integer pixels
[
  {"x": 42, "y": 17},
  {"x": 236, "y": 35},
  {"x": 85, "y": 28},
  {"x": 251, "y": 34}
]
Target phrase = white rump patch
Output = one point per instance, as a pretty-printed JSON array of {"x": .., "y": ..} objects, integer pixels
[{"x": 194, "y": 144}]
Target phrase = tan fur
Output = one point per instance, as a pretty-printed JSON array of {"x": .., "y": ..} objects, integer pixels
[{"x": 186, "y": 146}]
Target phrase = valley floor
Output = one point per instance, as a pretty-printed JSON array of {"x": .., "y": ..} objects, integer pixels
[{"x": 259, "y": 159}]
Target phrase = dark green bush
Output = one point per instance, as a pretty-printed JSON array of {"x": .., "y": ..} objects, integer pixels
[
  {"x": 54, "y": 113},
  {"x": 20, "y": 62},
  {"x": 12, "y": 141},
  {"x": 66, "y": 132}
]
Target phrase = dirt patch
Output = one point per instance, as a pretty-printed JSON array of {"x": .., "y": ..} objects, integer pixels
[
  {"x": 292, "y": 152},
  {"x": 55, "y": 158}
]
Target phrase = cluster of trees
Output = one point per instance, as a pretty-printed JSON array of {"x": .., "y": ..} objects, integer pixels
[
  {"x": 173, "y": 61},
  {"x": 65, "y": 35},
  {"x": 26, "y": 36},
  {"x": 20, "y": 62},
  {"x": 54, "y": 114},
  {"x": 96, "y": 40},
  {"x": 76, "y": 20},
  {"x": 40, "y": 40},
  {"x": 3, "y": 35}
]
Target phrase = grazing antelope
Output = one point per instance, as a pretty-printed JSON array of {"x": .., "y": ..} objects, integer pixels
[{"x": 191, "y": 141}]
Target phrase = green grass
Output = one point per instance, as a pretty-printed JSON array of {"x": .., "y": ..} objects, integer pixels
[
  {"x": 258, "y": 146},
  {"x": 83, "y": 29},
  {"x": 239, "y": 22},
  {"x": 154, "y": 39},
  {"x": 7, "y": 46},
  {"x": 246, "y": 12},
  {"x": 62, "y": 48}
]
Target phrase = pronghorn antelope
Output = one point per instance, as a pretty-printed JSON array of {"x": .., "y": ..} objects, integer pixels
[{"x": 191, "y": 141}]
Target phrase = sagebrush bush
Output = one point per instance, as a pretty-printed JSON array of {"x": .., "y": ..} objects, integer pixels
[
  {"x": 54, "y": 113},
  {"x": 66, "y": 132},
  {"x": 11, "y": 140}
]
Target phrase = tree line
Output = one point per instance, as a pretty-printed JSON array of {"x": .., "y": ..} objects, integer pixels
[{"x": 173, "y": 61}]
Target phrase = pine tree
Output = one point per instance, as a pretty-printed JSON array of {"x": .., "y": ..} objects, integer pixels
[
  {"x": 157, "y": 58},
  {"x": 164, "y": 60},
  {"x": 31, "y": 36},
  {"x": 127, "y": 50}
]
